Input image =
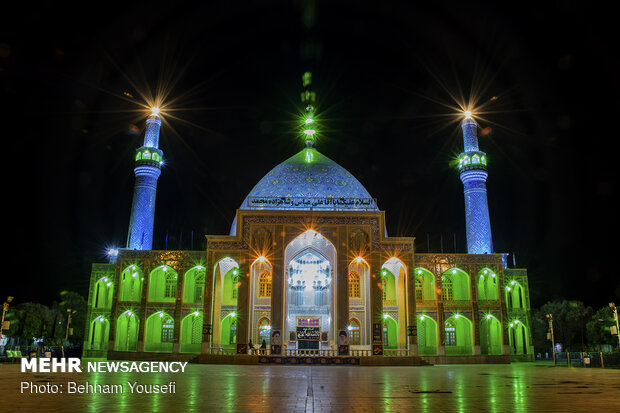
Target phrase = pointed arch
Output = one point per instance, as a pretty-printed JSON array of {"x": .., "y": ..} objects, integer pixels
[
  {"x": 130, "y": 289},
  {"x": 515, "y": 297},
  {"x": 127, "y": 325},
  {"x": 191, "y": 333},
  {"x": 427, "y": 335},
  {"x": 162, "y": 286},
  {"x": 390, "y": 332},
  {"x": 355, "y": 328},
  {"x": 458, "y": 335},
  {"x": 490, "y": 335},
  {"x": 487, "y": 285},
  {"x": 159, "y": 332},
  {"x": 194, "y": 285},
  {"x": 425, "y": 285},
  {"x": 99, "y": 333},
  {"x": 455, "y": 285},
  {"x": 518, "y": 338},
  {"x": 104, "y": 288}
]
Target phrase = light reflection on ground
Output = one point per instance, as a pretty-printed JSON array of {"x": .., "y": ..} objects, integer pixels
[{"x": 492, "y": 388}]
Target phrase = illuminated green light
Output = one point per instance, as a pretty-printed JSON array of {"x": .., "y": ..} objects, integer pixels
[
  {"x": 453, "y": 271},
  {"x": 421, "y": 318},
  {"x": 457, "y": 316},
  {"x": 489, "y": 316},
  {"x": 233, "y": 314},
  {"x": 384, "y": 273},
  {"x": 309, "y": 156},
  {"x": 235, "y": 272},
  {"x": 308, "y": 121},
  {"x": 109, "y": 284},
  {"x": 513, "y": 282},
  {"x": 419, "y": 271},
  {"x": 385, "y": 316},
  {"x": 507, "y": 288},
  {"x": 511, "y": 325},
  {"x": 309, "y": 132}
]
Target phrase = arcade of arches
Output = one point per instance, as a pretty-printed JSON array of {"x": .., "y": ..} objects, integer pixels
[{"x": 304, "y": 293}]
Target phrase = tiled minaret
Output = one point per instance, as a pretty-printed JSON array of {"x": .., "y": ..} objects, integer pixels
[
  {"x": 473, "y": 169},
  {"x": 149, "y": 159}
]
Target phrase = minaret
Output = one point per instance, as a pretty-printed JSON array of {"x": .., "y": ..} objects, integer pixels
[
  {"x": 473, "y": 169},
  {"x": 149, "y": 159}
]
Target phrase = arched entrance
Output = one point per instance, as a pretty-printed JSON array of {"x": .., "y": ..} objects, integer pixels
[{"x": 310, "y": 261}]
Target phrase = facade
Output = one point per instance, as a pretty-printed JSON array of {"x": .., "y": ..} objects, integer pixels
[{"x": 308, "y": 269}]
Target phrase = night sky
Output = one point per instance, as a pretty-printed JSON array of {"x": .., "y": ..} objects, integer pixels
[{"x": 549, "y": 73}]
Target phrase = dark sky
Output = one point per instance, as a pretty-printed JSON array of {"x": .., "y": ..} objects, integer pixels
[{"x": 380, "y": 70}]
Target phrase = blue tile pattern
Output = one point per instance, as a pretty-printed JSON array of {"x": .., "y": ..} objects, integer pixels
[{"x": 307, "y": 174}]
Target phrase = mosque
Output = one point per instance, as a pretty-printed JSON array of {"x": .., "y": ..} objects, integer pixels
[{"x": 308, "y": 270}]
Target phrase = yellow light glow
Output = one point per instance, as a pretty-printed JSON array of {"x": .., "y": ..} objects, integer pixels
[
  {"x": 467, "y": 114},
  {"x": 155, "y": 111},
  {"x": 358, "y": 260}
]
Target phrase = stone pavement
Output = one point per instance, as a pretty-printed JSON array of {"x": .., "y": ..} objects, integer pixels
[{"x": 232, "y": 388}]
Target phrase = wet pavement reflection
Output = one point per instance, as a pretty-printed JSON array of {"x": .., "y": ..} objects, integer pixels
[{"x": 224, "y": 388}]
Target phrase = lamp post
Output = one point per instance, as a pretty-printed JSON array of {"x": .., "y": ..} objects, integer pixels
[
  {"x": 68, "y": 324},
  {"x": 550, "y": 318},
  {"x": 615, "y": 310},
  {"x": 5, "y": 307}
]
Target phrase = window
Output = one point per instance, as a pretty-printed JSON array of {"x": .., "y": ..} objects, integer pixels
[
  {"x": 171, "y": 286},
  {"x": 354, "y": 285},
  {"x": 446, "y": 289},
  {"x": 354, "y": 332},
  {"x": 450, "y": 330},
  {"x": 199, "y": 288},
  {"x": 233, "y": 332},
  {"x": 264, "y": 284},
  {"x": 418, "y": 290},
  {"x": 167, "y": 330},
  {"x": 384, "y": 288},
  {"x": 235, "y": 287}
]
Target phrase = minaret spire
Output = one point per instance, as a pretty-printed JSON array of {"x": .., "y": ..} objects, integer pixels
[
  {"x": 149, "y": 159},
  {"x": 473, "y": 169},
  {"x": 308, "y": 98}
]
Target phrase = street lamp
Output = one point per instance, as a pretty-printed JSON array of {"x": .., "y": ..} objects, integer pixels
[
  {"x": 68, "y": 323},
  {"x": 615, "y": 310},
  {"x": 5, "y": 307},
  {"x": 550, "y": 318}
]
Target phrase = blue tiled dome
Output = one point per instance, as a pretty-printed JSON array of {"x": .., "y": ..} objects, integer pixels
[{"x": 308, "y": 180}]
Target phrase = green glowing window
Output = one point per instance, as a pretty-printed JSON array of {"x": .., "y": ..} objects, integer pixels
[
  {"x": 450, "y": 330},
  {"x": 138, "y": 156},
  {"x": 167, "y": 331},
  {"x": 199, "y": 288},
  {"x": 447, "y": 290},
  {"x": 418, "y": 289},
  {"x": 146, "y": 155},
  {"x": 171, "y": 286},
  {"x": 475, "y": 159},
  {"x": 155, "y": 156}
]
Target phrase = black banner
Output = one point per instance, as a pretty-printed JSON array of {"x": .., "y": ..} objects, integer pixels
[{"x": 309, "y": 333}]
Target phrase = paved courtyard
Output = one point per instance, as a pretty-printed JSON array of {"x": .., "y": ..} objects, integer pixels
[{"x": 222, "y": 388}]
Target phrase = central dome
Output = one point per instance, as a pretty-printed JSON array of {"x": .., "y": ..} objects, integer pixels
[{"x": 308, "y": 180}]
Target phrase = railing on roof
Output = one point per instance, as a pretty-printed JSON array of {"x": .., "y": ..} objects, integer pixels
[{"x": 311, "y": 203}]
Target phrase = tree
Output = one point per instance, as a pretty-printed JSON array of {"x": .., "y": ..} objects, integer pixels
[
  {"x": 29, "y": 320},
  {"x": 568, "y": 323},
  {"x": 597, "y": 329},
  {"x": 78, "y": 305}
]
